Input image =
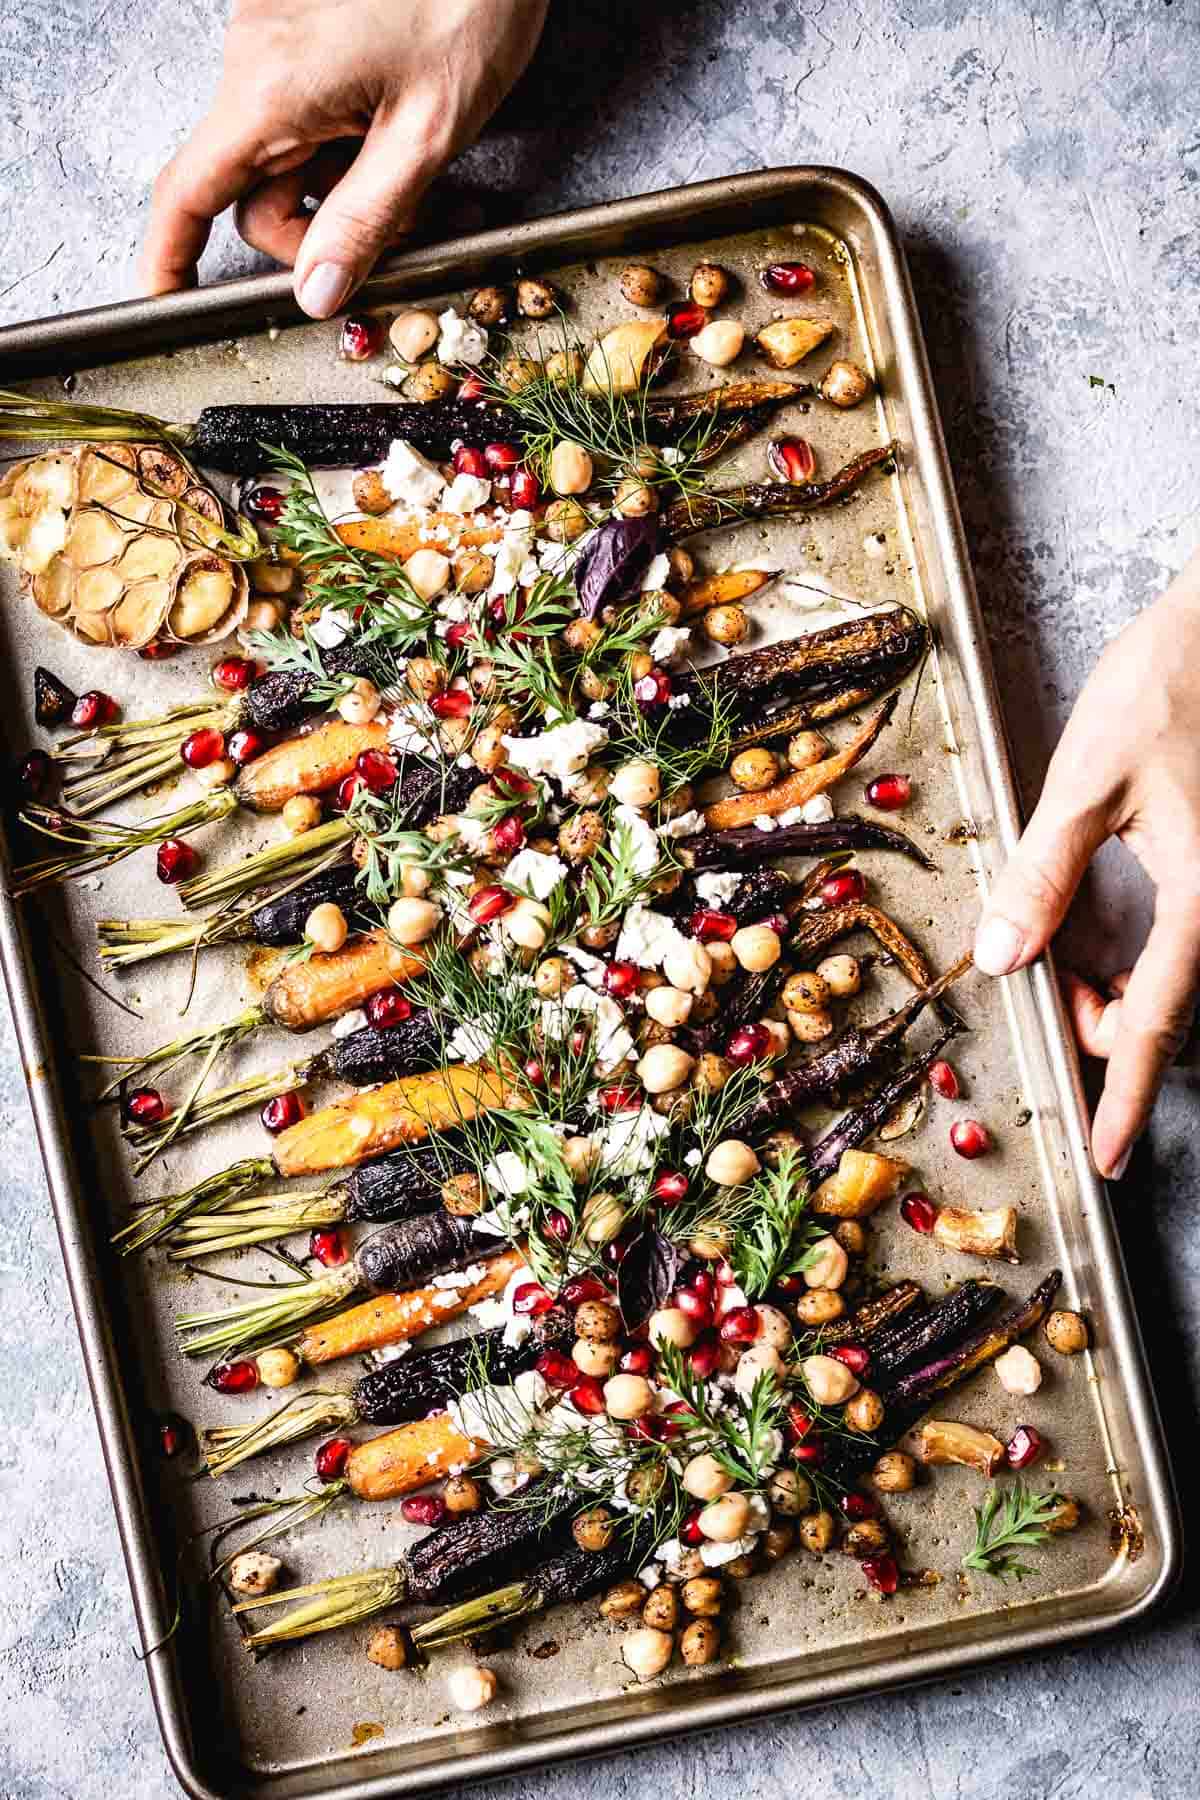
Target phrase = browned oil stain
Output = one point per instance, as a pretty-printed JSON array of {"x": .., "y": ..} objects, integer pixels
[
  {"x": 262, "y": 966},
  {"x": 541, "y": 1651},
  {"x": 362, "y": 1734}
]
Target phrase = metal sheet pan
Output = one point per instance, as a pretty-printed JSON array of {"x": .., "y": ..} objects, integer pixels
[{"x": 804, "y": 1633}]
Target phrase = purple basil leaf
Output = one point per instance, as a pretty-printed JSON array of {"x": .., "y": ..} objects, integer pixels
[
  {"x": 647, "y": 1277},
  {"x": 612, "y": 563}
]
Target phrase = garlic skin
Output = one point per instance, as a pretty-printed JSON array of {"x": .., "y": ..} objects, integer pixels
[
  {"x": 1019, "y": 1371},
  {"x": 471, "y": 1688}
]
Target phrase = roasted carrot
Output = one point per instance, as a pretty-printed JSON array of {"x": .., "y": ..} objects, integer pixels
[
  {"x": 802, "y": 785},
  {"x": 304, "y": 994},
  {"x": 409, "y": 1457},
  {"x": 310, "y": 763},
  {"x": 351, "y": 1131},
  {"x": 723, "y": 589},
  {"x": 398, "y": 1318},
  {"x": 401, "y": 537}
]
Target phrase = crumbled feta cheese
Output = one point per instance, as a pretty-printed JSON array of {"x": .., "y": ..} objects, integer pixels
[
  {"x": 533, "y": 1390},
  {"x": 329, "y": 629},
  {"x": 405, "y": 734},
  {"x": 646, "y": 937},
  {"x": 491, "y": 1312},
  {"x": 471, "y": 1041},
  {"x": 503, "y": 1478},
  {"x": 396, "y": 374},
  {"x": 764, "y": 822},
  {"x": 536, "y": 873},
  {"x": 411, "y": 477},
  {"x": 461, "y": 340},
  {"x": 670, "y": 643},
  {"x": 686, "y": 825},
  {"x": 466, "y": 494},
  {"x": 657, "y": 573},
  {"x": 612, "y": 1040},
  {"x": 650, "y": 1577},
  {"x": 643, "y": 840},
  {"x": 670, "y": 1555},
  {"x": 351, "y": 1021},
  {"x": 818, "y": 810},
  {"x": 794, "y": 815},
  {"x": 717, "y": 888},
  {"x": 875, "y": 544},
  {"x": 677, "y": 701},
  {"x": 693, "y": 1159},
  {"x": 561, "y": 752},
  {"x": 591, "y": 967},
  {"x": 760, "y": 1513},
  {"x": 481, "y": 1411},
  {"x": 670, "y": 455},
  {"x": 599, "y": 709},
  {"x": 391, "y": 1352},
  {"x": 713, "y": 1556},
  {"x": 506, "y": 1174},
  {"x": 628, "y": 1140}
]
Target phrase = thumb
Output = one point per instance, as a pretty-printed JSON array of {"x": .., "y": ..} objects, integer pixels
[
  {"x": 370, "y": 206},
  {"x": 1027, "y": 903}
]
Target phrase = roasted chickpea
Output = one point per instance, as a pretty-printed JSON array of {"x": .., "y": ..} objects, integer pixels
[
  {"x": 757, "y": 948},
  {"x": 462, "y": 1494},
  {"x": 598, "y": 1321},
  {"x": 806, "y": 749},
  {"x": 517, "y": 372},
  {"x": 820, "y": 1306},
  {"x": 1065, "y": 1516},
  {"x": 582, "y": 635},
  {"x": 300, "y": 814},
  {"x": 754, "y": 770},
  {"x": 625, "y": 1601},
  {"x": 719, "y": 343},
  {"x": 852, "y": 1236},
  {"x": 703, "y": 1596},
  {"x": 634, "y": 498},
  {"x": 810, "y": 1027},
  {"x": 277, "y": 1368},
  {"x": 647, "y": 1652},
  {"x": 430, "y": 382},
  {"x": 579, "y": 1154},
  {"x": 595, "y": 685},
  {"x": 864, "y": 1412},
  {"x": 640, "y": 284},
  {"x": 599, "y": 937},
  {"x": 778, "y": 1539},
  {"x": 711, "y": 1072},
  {"x": 565, "y": 521},
  {"x": 700, "y": 1643},
  {"x": 472, "y": 570},
  {"x": 413, "y": 334},
  {"x": 704, "y": 1008},
  {"x": 724, "y": 963},
  {"x": 682, "y": 566},
  {"x": 778, "y": 1145},
  {"x": 580, "y": 837},
  {"x": 844, "y": 384},
  {"x": 482, "y": 676},
  {"x": 594, "y": 1529},
  {"x": 789, "y": 1492},
  {"x": 564, "y": 366},
  {"x": 571, "y": 468},
  {"x": 895, "y": 1472},
  {"x": 597, "y": 1360},
  {"x": 691, "y": 1564},
  {"x": 387, "y": 1647},
  {"x": 656, "y": 603},
  {"x": 462, "y": 1195},
  {"x": 866, "y": 1538},
  {"x": 709, "y": 285},
  {"x": 805, "y": 992},
  {"x": 1066, "y": 1332},
  {"x": 603, "y": 1217},
  {"x": 489, "y": 306},
  {"x": 536, "y": 299},
  {"x": 370, "y": 495},
  {"x": 553, "y": 976},
  {"x": 815, "y": 1531},
  {"x": 662, "y": 1608},
  {"x": 725, "y": 624},
  {"x": 425, "y": 678}
]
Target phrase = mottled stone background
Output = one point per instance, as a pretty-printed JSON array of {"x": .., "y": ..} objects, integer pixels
[{"x": 1044, "y": 164}]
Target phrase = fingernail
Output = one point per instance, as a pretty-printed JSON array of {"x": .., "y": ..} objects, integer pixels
[
  {"x": 1118, "y": 1169},
  {"x": 997, "y": 946},
  {"x": 324, "y": 288}
]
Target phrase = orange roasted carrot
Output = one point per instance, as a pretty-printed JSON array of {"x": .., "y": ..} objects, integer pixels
[
  {"x": 324, "y": 987},
  {"x": 801, "y": 785},
  {"x": 364, "y": 1125},
  {"x": 402, "y": 537},
  {"x": 409, "y": 1457},
  {"x": 708, "y": 591},
  {"x": 309, "y": 763},
  {"x": 398, "y": 1318}
]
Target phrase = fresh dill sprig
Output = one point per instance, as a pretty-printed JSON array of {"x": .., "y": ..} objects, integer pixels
[
  {"x": 1006, "y": 1522},
  {"x": 614, "y": 881},
  {"x": 745, "y": 1435},
  {"x": 521, "y": 647},
  {"x": 389, "y": 844},
  {"x": 769, "y": 1242},
  {"x": 682, "y": 749},
  {"x": 281, "y": 649}
]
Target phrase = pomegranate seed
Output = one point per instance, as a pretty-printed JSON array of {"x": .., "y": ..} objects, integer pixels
[
  {"x": 787, "y": 278},
  {"x": 510, "y": 784},
  {"x": 859, "y": 1506},
  {"x": 455, "y": 703},
  {"x": 643, "y": 1428},
  {"x": 264, "y": 504},
  {"x": 332, "y": 1457},
  {"x": 94, "y": 708},
  {"x": 843, "y": 889},
  {"x": 361, "y": 338},
  {"x": 812, "y": 1452},
  {"x": 740, "y": 1325},
  {"x": 618, "y": 1099},
  {"x": 889, "y": 792},
  {"x": 174, "y": 1434},
  {"x": 347, "y": 788},
  {"x": 469, "y": 462},
  {"x": 508, "y": 835},
  {"x": 472, "y": 388},
  {"x": 501, "y": 458},
  {"x": 855, "y": 1358},
  {"x": 507, "y": 609},
  {"x": 702, "y": 1282},
  {"x": 377, "y": 769},
  {"x": 460, "y": 633},
  {"x": 557, "y": 1369},
  {"x": 919, "y": 1211},
  {"x": 694, "y": 1307},
  {"x": 557, "y": 1225},
  {"x": 161, "y": 651},
  {"x": 244, "y": 746},
  {"x": 792, "y": 459},
  {"x": 424, "y": 1509},
  {"x": 750, "y": 1043},
  {"x": 532, "y": 1298},
  {"x": 489, "y": 903},
  {"x": 233, "y": 673},
  {"x": 587, "y": 1396},
  {"x": 387, "y": 1007},
  {"x": 202, "y": 748},
  {"x": 637, "y": 1360},
  {"x": 234, "y": 1377},
  {"x": 724, "y": 1274},
  {"x": 533, "y": 1072},
  {"x": 779, "y": 923},
  {"x": 579, "y": 1040},
  {"x": 145, "y": 1106},
  {"x": 175, "y": 861},
  {"x": 790, "y": 1285},
  {"x": 282, "y": 1111},
  {"x": 1024, "y": 1447},
  {"x": 712, "y": 927},
  {"x": 944, "y": 1080},
  {"x": 621, "y": 979},
  {"x": 690, "y": 1532},
  {"x": 329, "y": 1247},
  {"x": 799, "y": 1423},
  {"x": 581, "y": 1288},
  {"x": 614, "y": 1254},
  {"x": 881, "y": 1572},
  {"x": 34, "y": 775},
  {"x": 970, "y": 1138},
  {"x": 669, "y": 1424},
  {"x": 704, "y": 1355},
  {"x": 685, "y": 319},
  {"x": 670, "y": 1187},
  {"x": 526, "y": 489},
  {"x": 653, "y": 689}
]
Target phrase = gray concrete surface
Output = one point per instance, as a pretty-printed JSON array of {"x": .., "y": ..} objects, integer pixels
[{"x": 1044, "y": 164}]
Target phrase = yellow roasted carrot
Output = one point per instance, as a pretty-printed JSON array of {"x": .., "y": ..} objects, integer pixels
[
  {"x": 402, "y": 537},
  {"x": 859, "y": 1185},
  {"x": 398, "y": 1318},
  {"x": 801, "y": 785},
  {"x": 379, "y": 1119},
  {"x": 723, "y": 589},
  {"x": 409, "y": 1457},
  {"x": 309, "y": 763},
  {"x": 305, "y": 994}
]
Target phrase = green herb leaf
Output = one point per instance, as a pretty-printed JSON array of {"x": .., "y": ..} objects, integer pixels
[{"x": 1006, "y": 1522}]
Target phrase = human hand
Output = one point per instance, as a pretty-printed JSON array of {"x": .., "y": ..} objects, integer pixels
[
  {"x": 415, "y": 80},
  {"x": 1127, "y": 766}
]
